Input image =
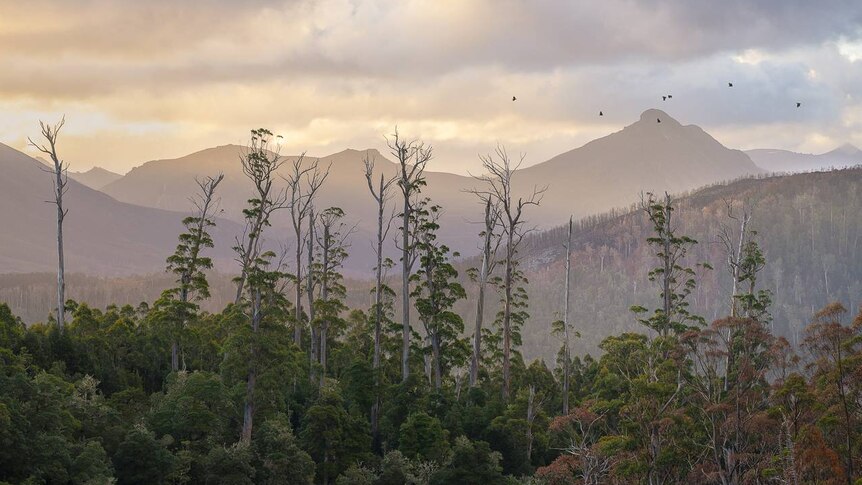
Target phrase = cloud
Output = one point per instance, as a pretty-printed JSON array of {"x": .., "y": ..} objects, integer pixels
[{"x": 143, "y": 80}]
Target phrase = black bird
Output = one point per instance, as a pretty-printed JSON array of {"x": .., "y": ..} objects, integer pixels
[
  {"x": 601, "y": 114},
  {"x": 664, "y": 98},
  {"x": 669, "y": 96},
  {"x": 730, "y": 85},
  {"x": 798, "y": 104},
  {"x": 658, "y": 120},
  {"x": 514, "y": 98}
]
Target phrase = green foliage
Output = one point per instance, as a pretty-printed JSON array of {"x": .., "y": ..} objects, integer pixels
[
  {"x": 423, "y": 437},
  {"x": 279, "y": 457},
  {"x": 472, "y": 462}
]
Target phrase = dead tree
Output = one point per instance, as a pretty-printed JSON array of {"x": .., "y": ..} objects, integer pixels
[
  {"x": 490, "y": 245},
  {"x": 381, "y": 195},
  {"x": 303, "y": 182},
  {"x": 411, "y": 157},
  {"x": 498, "y": 186},
  {"x": 59, "y": 172}
]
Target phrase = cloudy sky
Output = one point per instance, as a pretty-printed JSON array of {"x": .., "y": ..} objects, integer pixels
[{"x": 159, "y": 79}]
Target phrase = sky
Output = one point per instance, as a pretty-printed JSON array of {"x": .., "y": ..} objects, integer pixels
[{"x": 139, "y": 81}]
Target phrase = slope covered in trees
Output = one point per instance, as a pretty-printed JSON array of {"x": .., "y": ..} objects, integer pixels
[{"x": 808, "y": 226}]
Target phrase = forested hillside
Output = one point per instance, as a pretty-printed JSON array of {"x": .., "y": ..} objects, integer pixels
[
  {"x": 683, "y": 400},
  {"x": 808, "y": 225}
]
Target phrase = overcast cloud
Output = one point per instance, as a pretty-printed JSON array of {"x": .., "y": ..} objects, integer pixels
[{"x": 146, "y": 80}]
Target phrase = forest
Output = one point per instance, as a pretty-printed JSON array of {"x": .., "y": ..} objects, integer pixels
[{"x": 432, "y": 382}]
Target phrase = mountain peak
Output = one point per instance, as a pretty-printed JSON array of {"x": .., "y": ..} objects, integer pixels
[
  {"x": 846, "y": 149},
  {"x": 653, "y": 114}
]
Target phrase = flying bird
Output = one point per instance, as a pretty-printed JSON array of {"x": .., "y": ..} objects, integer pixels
[
  {"x": 601, "y": 114},
  {"x": 514, "y": 98},
  {"x": 669, "y": 96},
  {"x": 730, "y": 85},
  {"x": 798, "y": 105},
  {"x": 658, "y": 120},
  {"x": 664, "y": 98}
]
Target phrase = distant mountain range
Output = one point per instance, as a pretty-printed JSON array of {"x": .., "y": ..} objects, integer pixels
[
  {"x": 102, "y": 235},
  {"x": 655, "y": 153},
  {"x": 846, "y": 155}
]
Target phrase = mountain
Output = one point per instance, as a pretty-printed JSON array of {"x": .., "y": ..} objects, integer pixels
[
  {"x": 808, "y": 226},
  {"x": 95, "y": 178},
  {"x": 771, "y": 160},
  {"x": 102, "y": 235},
  {"x": 605, "y": 173}
]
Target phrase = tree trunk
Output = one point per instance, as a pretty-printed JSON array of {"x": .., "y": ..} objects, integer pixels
[
  {"x": 248, "y": 411},
  {"x": 566, "y": 323},
  {"x": 297, "y": 329},
  {"x": 378, "y": 317},
  {"x": 61, "y": 265},
  {"x": 480, "y": 301},
  {"x": 324, "y": 296},
  {"x": 507, "y": 316},
  {"x": 405, "y": 290}
]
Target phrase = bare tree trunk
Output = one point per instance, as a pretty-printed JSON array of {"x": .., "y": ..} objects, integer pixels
[
  {"x": 507, "y": 316},
  {"x": 405, "y": 290},
  {"x": 324, "y": 296},
  {"x": 59, "y": 172},
  {"x": 309, "y": 292},
  {"x": 380, "y": 196},
  {"x": 566, "y": 356},
  {"x": 484, "y": 272}
]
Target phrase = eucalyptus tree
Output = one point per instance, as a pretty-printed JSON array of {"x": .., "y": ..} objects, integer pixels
[
  {"x": 411, "y": 157},
  {"x": 332, "y": 249},
  {"x": 260, "y": 161},
  {"x": 188, "y": 261},
  {"x": 259, "y": 164},
  {"x": 436, "y": 291},
  {"x": 60, "y": 178}
]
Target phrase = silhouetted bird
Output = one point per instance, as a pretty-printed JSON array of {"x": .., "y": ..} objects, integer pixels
[
  {"x": 658, "y": 120},
  {"x": 601, "y": 114},
  {"x": 664, "y": 98},
  {"x": 514, "y": 98},
  {"x": 730, "y": 85},
  {"x": 798, "y": 104},
  {"x": 669, "y": 96}
]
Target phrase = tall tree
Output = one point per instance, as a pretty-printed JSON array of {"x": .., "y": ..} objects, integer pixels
[
  {"x": 498, "y": 187},
  {"x": 59, "y": 172},
  {"x": 259, "y": 164},
  {"x": 381, "y": 194},
  {"x": 435, "y": 292},
  {"x": 490, "y": 244},
  {"x": 303, "y": 182},
  {"x": 332, "y": 251},
  {"x": 260, "y": 161},
  {"x": 187, "y": 262},
  {"x": 836, "y": 350},
  {"x": 411, "y": 156}
]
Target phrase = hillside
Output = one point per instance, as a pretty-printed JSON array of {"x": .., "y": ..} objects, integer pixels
[
  {"x": 771, "y": 160},
  {"x": 808, "y": 224},
  {"x": 102, "y": 235}
]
